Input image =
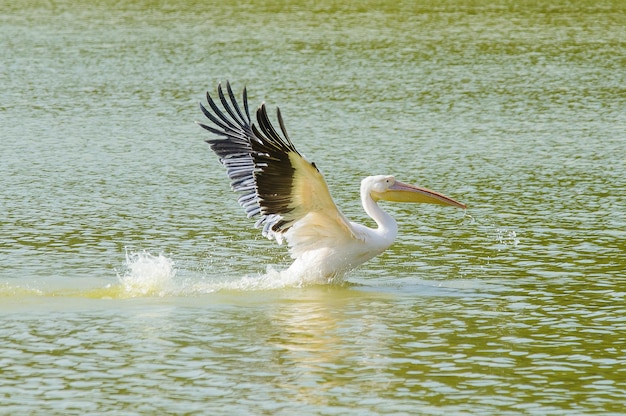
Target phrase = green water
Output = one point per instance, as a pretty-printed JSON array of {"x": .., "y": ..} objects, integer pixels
[{"x": 131, "y": 282}]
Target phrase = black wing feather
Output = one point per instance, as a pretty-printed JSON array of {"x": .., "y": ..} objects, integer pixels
[{"x": 256, "y": 159}]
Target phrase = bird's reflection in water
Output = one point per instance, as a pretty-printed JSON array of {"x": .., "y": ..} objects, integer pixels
[{"x": 327, "y": 342}]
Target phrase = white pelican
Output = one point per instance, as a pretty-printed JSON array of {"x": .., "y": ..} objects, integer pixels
[{"x": 291, "y": 197}]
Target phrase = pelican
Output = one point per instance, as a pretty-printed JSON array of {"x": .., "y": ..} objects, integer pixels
[{"x": 291, "y": 198}]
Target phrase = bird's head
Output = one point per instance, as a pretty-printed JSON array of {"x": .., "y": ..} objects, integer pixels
[{"x": 387, "y": 188}]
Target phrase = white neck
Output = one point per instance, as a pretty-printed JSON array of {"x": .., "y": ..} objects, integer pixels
[{"x": 387, "y": 226}]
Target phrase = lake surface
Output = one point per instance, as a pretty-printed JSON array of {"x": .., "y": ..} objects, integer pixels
[{"x": 131, "y": 282}]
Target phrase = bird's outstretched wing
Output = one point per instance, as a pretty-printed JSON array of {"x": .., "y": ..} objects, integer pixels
[{"x": 275, "y": 181}]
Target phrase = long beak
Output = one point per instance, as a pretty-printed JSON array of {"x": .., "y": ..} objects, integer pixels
[{"x": 403, "y": 192}]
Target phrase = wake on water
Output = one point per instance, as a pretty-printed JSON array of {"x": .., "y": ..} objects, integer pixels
[{"x": 145, "y": 274}]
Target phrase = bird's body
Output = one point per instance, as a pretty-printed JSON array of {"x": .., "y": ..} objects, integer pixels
[{"x": 291, "y": 197}]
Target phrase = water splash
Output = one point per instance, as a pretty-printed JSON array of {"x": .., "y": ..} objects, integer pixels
[
  {"x": 147, "y": 275},
  {"x": 272, "y": 279},
  {"x": 505, "y": 237}
]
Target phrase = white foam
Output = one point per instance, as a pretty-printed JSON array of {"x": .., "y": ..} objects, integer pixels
[
  {"x": 272, "y": 279},
  {"x": 147, "y": 275}
]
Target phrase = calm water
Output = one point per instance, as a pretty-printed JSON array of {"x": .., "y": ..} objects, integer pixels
[{"x": 131, "y": 283}]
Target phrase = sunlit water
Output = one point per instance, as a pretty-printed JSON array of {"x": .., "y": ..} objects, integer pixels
[{"x": 132, "y": 283}]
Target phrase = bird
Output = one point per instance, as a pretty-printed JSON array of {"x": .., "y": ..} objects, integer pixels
[{"x": 290, "y": 197}]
